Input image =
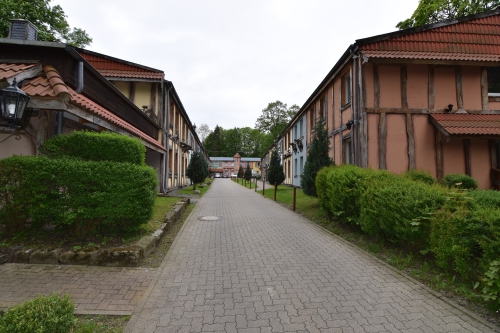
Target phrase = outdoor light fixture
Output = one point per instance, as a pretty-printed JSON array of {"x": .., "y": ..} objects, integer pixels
[
  {"x": 450, "y": 107},
  {"x": 349, "y": 124},
  {"x": 13, "y": 103}
]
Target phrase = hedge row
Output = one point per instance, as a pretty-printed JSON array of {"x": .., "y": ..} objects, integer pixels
[
  {"x": 461, "y": 228},
  {"x": 76, "y": 194},
  {"x": 94, "y": 146}
]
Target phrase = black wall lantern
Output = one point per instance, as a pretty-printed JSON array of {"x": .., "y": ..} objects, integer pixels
[
  {"x": 13, "y": 103},
  {"x": 349, "y": 124}
]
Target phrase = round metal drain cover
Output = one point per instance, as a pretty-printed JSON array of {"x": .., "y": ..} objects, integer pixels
[{"x": 209, "y": 218}]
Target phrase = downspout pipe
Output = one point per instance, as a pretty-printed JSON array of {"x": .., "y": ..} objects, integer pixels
[
  {"x": 166, "y": 121},
  {"x": 355, "y": 102}
]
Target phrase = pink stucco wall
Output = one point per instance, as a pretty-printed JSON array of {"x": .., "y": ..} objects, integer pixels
[
  {"x": 397, "y": 143},
  {"x": 494, "y": 106},
  {"x": 390, "y": 86},
  {"x": 453, "y": 157},
  {"x": 368, "y": 77},
  {"x": 417, "y": 86},
  {"x": 425, "y": 147},
  {"x": 11, "y": 146},
  {"x": 337, "y": 159},
  {"x": 373, "y": 145},
  {"x": 471, "y": 88},
  {"x": 446, "y": 88},
  {"x": 481, "y": 162}
]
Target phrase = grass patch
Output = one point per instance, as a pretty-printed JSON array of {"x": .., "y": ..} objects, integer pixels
[
  {"x": 202, "y": 188},
  {"x": 100, "y": 324},
  {"x": 245, "y": 183}
]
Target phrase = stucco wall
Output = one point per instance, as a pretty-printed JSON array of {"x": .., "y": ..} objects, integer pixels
[
  {"x": 25, "y": 146},
  {"x": 454, "y": 157},
  {"x": 417, "y": 86},
  {"x": 425, "y": 147},
  {"x": 123, "y": 86},
  {"x": 480, "y": 162},
  {"x": 142, "y": 94},
  {"x": 390, "y": 86},
  {"x": 397, "y": 143},
  {"x": 471, "y": 88},
  {"x": 445, "y": 85},
  {"x": 368, "y": 82}
]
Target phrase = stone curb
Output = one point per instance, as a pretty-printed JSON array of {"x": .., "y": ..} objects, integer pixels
[{"x": 124, "y": 256}]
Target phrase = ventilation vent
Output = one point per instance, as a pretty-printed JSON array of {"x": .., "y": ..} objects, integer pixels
[{"x": 22, "y": 29}]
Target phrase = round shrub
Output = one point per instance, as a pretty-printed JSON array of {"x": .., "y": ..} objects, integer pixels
[
  {"x": 459, "y": 181},
  {"x": 94, "y": 146},
  {"x": 322, "y": 185},
  {"x": 44, "y": 314},
  {"x": 420, "y": 176},
  {"x": 400, "y": 209}
]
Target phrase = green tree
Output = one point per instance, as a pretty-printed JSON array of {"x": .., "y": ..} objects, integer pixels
[
  {"x": 248, "y": 173},
  {"x": 215, "y": 142},
  {"x": 275, "y": 117},
  {"x": 50, "y": 20},
  {"x": 316, "y": 159},
  {"x": 432, "y": 11},
  {"x": 240, "y": 172},
  {"x": 275, "y": 174},
  {"x": 196, "y": 170}
]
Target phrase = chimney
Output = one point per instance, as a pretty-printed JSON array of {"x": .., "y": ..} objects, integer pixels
[{"x": 22, "y": 29}]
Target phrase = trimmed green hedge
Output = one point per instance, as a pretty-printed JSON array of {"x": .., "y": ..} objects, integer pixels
[
  {"x": 94, "y": 146},
  {"x": 82, "y": 195},
  {"x": 44, "y": 314},
  {"x": 459, "y": 181},
  {"x": 399, "y": 208}
]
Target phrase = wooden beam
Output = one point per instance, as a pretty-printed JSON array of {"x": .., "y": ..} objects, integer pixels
[
  {"x": 439, "y": 155},
  {"x": 468, "y": 171},
  {"x": 382, "y": 141},
  {"x": 364, "y": 118},
  {"x": 484, "y": 89},
  {"x": 423, "y": 111},
  {"x": 411, "y": 142},
  {"x": 404, "y": 87},
  {"x": 458, "y": 80},
  {"x": 431, "y": 88},
  {"x": 376, "y": 86}
]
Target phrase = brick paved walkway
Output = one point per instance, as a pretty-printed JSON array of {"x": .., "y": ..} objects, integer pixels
[
  {"x": 263, "y": 268},
  {"x": 94, "y": 290}
]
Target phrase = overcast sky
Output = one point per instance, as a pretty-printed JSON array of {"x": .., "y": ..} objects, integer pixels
[{"x": 229, "y": 58}]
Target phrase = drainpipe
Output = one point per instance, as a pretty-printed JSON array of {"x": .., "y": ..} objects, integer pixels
[
  {"x": 166, "y": 121},
  {"x": 355, "y": 103}
]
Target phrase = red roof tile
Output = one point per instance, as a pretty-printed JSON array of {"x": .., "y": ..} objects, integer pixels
[
  {"x": 111, "y": 68},
  {"x": 477, "y": 39},
  {"x": 41, "y": 87},
  {"x": 468, "y": 124},
  {"x": 9, "y": 70}
]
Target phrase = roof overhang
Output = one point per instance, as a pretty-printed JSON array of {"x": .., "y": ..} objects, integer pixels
[{"x": 467, "y": 126}]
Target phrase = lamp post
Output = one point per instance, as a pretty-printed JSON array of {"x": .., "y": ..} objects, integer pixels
[{"x": 13, "y": 103}]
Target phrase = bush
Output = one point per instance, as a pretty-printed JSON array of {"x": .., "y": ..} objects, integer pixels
[
  {"x": 420, "y": 176},
  {"x": 400, "y": 208},
  {"x": 339, "y": 191},
  {"x": 322, "y": 185},
  {"x": 491, "y": 280},
  {"x": 94, "y": 146},
  {"x": 41, "y": 315},
  {"x": 486, "y": 198},
  {"x": 459, "y": 181},
  {"x": 79, "y": 194}
]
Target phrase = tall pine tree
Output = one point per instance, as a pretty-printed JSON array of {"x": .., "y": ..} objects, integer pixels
[
  {"x": 316, "y": 159},
  {"x": 248, "y": 173},
  {"x": 196, "y": 170},
  {"x": 275, "y": 174}
]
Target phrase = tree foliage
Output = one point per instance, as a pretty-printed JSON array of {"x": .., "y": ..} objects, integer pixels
[
  {"x": 275, "y": 117},
  {"x": 275, "y": 174},
  {"x": 432, "y": 11},
  {"x": 241, "y": 172},
  {"x": 50, "y": 20},
  {"x": 196, "y": 171},
  {"x": 203, "y": 131},
  {"x": 248, "y": 172},
  {"x": 316, "y": 159}
]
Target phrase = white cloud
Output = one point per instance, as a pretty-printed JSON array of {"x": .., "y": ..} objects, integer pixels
[{"x": 228, "y": 59}]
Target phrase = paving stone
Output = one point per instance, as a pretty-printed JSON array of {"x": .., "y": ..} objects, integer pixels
[{"x": 263, "y": 268}]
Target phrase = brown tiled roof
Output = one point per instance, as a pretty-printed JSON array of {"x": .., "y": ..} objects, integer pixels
[
  {"x": 475, "y": 39},
  {"x": 52, "y": 86},
  {"x": 467, "y": 124},
  {"x": 9, "y": 70},
  {"x": 113, "y": 68}
]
